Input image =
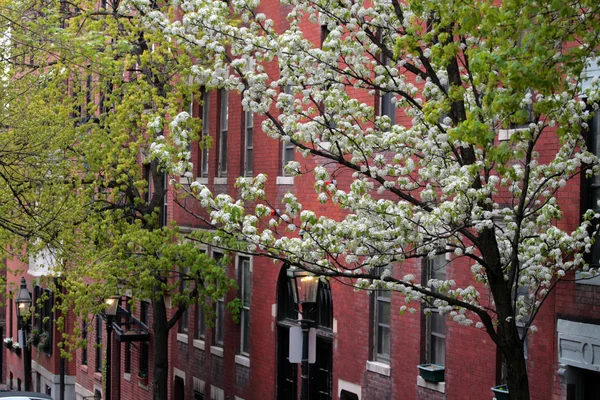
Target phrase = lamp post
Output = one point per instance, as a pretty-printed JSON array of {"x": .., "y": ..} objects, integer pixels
[
  {"x": 112, "y": 305},
  {"x": 23, "y": 302},
  {"x": 304, "y": 286}
]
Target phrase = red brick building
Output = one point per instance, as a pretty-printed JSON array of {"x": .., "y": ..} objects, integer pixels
[{"x": 365, "y": 348}]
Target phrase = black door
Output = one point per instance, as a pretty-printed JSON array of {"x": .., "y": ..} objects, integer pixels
[
  {"x": 287, "y": 372},
  {"x": 178, "y": 389},
  {"x": 320, "y": 371}
]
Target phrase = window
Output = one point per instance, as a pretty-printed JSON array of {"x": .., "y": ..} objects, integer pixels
[
  {"x": 183, "y": 289},
  {"x": 382, "y": 326},
  {"x": 386, "y": 105},
  {"x": 224, "y": 126},
  {"x": 144, "y": 318},
  {"x": 388, "y": 108},
  {"x": 435, "y": 323},
  {"x": 205, "y": 133},
  {"x": 245, "y": 282},
  {"x": 10, "y": 316},
  {"x": 220, "y": 311},
  {"x": 127, "y": 361},
  {"x": 249, "y": 146},
  {"x": 164, "y": 209},
  {"x": 594, "y": 187},
  {"x": 287, "y": 147},
  {"x": 98, "y": 344},
  {"x": 200, "y": 322},
  {"x": 43, "y": 318},
  {"x": 84, "y": 336}
]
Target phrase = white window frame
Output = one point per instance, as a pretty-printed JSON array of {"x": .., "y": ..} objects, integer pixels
[
  {"x": 382, "y": 298},
  {"x": 440, "y": 263},
  {"x": 245, "y": 285},
  {"x": 219, "y": 333}
]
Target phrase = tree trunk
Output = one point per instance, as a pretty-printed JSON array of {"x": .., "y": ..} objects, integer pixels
[
  {"x": 161, "y": 350},
  {"x": 516, "y": 365}
]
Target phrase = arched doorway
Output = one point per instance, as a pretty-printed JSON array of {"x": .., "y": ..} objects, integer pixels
[{"x": 320, "y": 373}]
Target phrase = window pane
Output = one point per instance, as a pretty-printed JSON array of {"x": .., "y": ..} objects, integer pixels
[
  {"x": 438, "y": 323},
  {"x": 249, "y": 162},
  {"x": 200, "y": 326},
  {"x": 223, "y": 148},
  {"x": 224, "y": 110},
  {"x": 383, "y": 312},
  {"x": 205, "y": 112},
  {"x": 383, "y": 341},
  {"x": 249, "y": 137},
  {"x": 247, "y": 283},
  {"x": 438, "y": 351},
  {"x": 387, "y": 108},
  {"x": 220, "y": 322},
  {"x": 246, "y": 331}
]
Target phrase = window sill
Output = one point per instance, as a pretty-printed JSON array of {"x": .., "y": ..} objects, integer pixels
[
  {"x": 242, "y": 360},
  {"x": 217, "y": 351},
  {"x": 220, "y": 181},
  {"x": 127, "y": 376},
  {"x": 285, "y": 180},
  {"x": 182, "y": 337},
  {"x": 84, "y": 369},
  {"x": 98, "y": 376},
  {"x": 199, "y": 344},
  {"x": 202, "y": 180},
  {"x": 438, "y": 387},
  {"x": 184, "y": 180},
  {"x": 379, "y": 368}
]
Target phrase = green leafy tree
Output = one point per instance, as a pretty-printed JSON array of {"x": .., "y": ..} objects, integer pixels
[
  {"x": 460, "y": 74},
  {"x": 99, "y": 94}
]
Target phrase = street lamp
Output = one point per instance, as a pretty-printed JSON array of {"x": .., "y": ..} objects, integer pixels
[
  {"x": 23, "y": 302},
  {"x": 112, "y": 306},
  {"x": 304, "y": 287}
]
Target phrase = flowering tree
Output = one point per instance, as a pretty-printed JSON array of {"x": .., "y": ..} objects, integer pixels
[{"x": 462, "y": 76}]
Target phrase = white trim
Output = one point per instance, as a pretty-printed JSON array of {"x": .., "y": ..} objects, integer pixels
[
  {"x": 350, "y": 387},
  {"x": 581, "y": 280},
  {"x": 179, "y": 373},
  {"x": 217, "y": 351},
  {"x": 198, "y": 385},
  {"x": 182, "y": 337},
  {"x": 200, "y": 344},
  {"x": 437, "y": 386},
  {"x": 127, "y": 376},
  {"x": 274, "y": 310},
  {"x": 202, "y": 180},
  {"x": 82, "y": 391},
  {"x": 184, "y": 180},
  {"x": 285, "y": 180},
  {"x": 242, "y": 360},
  {"x": 379, "y": 368},
  {"x": 505, "y": 134},
  {"x": 220, "y": 181},
  {"x": 335, "y": 326},
  {"x": 216, "y": 393}
]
